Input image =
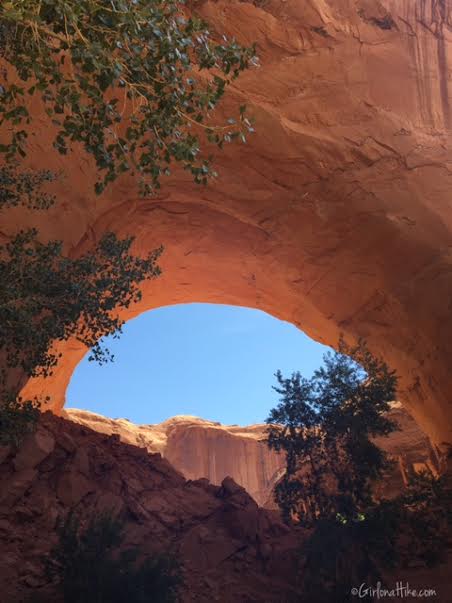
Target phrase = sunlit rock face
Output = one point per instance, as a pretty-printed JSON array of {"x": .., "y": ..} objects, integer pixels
[
  {"x": 411, "y": 450},
  {"x": 335, "y": 216},
  {"x": 201, "y": 449},
  {"x": 205, "y": 449}
]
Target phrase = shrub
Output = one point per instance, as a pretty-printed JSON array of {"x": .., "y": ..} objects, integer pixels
[
  {"x": 89, "y": 566},
  {"x": 325, "y": 425}
]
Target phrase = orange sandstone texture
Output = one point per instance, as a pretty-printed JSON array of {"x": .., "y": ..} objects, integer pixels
[
  {"x": 336, "y": 216},
  {"x": 200, "y": 449},
  {"x": 204, "y": 449}
]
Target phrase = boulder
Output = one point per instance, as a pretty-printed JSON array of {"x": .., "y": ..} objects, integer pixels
[
  {"x": 16, "y": 485},
  {"x": 34, "y": 449},
  {"x": 73, "y": 487}
]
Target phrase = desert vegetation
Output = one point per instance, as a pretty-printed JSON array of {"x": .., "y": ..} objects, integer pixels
[
  {"x": 91, "y": 565},
  {"x": 325, "y": 425},
  {"x": 124, "y": 79}
]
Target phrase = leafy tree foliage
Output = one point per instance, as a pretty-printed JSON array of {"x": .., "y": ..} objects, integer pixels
[
  {"x": 123, "y": 78},
  {"x": 324, "y": 425},
  {"x": 46, "y": 297},
  {"x": 24, "y": 187},
  {"x": 424, "y": 516},
  {"x": 413, "y": 527},
  {"x": 135, "y": 83},
  {"x": 17, "y": 417},
  {"x": 91, "y": 566}
]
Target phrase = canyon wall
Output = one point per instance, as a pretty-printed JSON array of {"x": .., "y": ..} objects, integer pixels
[
  {"x": 335, "y": 216},
  {"x": 200, "y": 449},
  {"x": 205, "y": 449}
]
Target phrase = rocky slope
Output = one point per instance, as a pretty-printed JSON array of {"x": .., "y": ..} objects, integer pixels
[
  {"x": 200, "y": 449},
  {"x": 204, "y": 449},
  {"x": 231, "y": 550}
]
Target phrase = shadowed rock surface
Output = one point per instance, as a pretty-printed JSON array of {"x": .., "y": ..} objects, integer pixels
[
  {"x": 199, "y": 448},
  {"x": 218, "y": 532},
  {"x": 231, "y": 550}
]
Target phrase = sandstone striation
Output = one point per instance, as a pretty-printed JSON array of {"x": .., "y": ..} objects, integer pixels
[
  {"x": 200, "y": 449},
  {"x": 204, "y": 449},
  {"x": 336, "y": 216}
]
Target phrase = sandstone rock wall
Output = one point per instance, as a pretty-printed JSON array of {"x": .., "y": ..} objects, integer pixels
[
  {"x": 200, "y": 449},
  {"x": 203, "y": 449},
  {"x": 336, "y": 216}
]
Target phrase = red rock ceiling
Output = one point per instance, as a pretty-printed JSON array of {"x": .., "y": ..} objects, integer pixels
[{"x": 336, "y": 216}]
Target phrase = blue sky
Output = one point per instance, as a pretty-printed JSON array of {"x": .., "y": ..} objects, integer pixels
[{"x": 209, "y": 360}]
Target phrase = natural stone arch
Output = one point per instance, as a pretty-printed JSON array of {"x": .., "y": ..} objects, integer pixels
[{"x": 336, "y": 216}]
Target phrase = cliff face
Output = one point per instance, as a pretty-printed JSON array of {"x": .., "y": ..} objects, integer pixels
[
  {"x": 204, "y": 449},
  {"x": 200, "y": 449},
  {"x": 335, "y": 216}
]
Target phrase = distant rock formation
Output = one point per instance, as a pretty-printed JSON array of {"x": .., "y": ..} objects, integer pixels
[{"x": 199, "y": 448}]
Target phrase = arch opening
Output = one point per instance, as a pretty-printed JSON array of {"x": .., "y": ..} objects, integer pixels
[
  {"x": 193, "y": 382},
  {"x": 212, "y": 361},
  {"x": 299, "y": 269},
  {"x": 334, "y": 217}
]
